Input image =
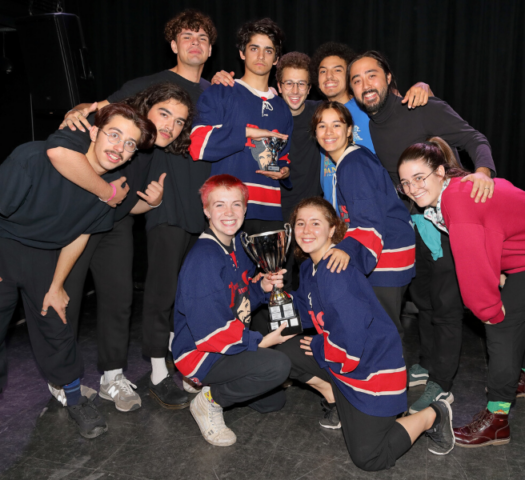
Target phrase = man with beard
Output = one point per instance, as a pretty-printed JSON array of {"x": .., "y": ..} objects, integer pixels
[
  {"x": 173, "y": 228},
  {"x": 435, "y": 289}
]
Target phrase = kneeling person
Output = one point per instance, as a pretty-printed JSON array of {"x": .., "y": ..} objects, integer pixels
[
  {"x": 213, "y": 344},
  {"x": 45, "y": 223}
]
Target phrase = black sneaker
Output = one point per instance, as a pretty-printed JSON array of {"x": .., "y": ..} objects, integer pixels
[
  {"x": 331, "y": 417},
  {"x": 168, "y": 394},
  {"x": 90, "y": 422},
  {"x": 442, "y": 433}
]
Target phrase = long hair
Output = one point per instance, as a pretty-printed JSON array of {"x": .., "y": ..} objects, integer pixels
[
  {"x": 162, "y": 92},
  {"x": 148, "y": 132},
  {"x": 435, "y": 152},
  {"x": 344, "y": 116},
  {"x": 383, "y": 63},
  {"x": 329, "y": 214}
]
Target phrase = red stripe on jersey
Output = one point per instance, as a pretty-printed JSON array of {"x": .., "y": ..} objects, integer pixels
[
  {"x": 285, "y": 158},
  {"x": 336, "y": 354},
  {"x": 384, "y": 382},
  {"x": 262, "y": 194},
  {"x": 199, "y": 139},
  {"x": 397, "y": 259},
  {"x": 368, "y": 237},
  {"x": 189, "y": 363},
  {"x": 222, "y": 338}
]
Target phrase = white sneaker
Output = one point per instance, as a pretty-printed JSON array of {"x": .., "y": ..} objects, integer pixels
[
  {"x": 121, "y": 391},
  {"x": 60, "y": 395},
  {"x": 210, "y": 420},
  {"x": 189, "y": 386}
]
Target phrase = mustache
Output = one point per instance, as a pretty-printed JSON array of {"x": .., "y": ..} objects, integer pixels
[
  {"x": 166, "y": 131},
  {"x": 114, "y": 153},
  {"x": 371, "y": 90}
]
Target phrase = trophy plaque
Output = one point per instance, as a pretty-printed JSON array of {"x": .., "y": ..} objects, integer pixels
[
  {"x": 268, "y": 250},
  {"x": 274, "y": 145}
]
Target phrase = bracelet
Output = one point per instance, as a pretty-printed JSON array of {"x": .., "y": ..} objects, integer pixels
[
  {"x": 156, "y": 206},
  {"x": 112, "y": 195}
]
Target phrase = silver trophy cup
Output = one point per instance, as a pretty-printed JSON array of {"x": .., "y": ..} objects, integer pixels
[
  {"x": 274, "y": 145},
  {"x": 268, "y": 250}
]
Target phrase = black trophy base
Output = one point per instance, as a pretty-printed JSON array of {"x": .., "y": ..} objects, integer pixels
[
  {"x": 273, "y": 168},
  {"x": 280, "y": 314}
]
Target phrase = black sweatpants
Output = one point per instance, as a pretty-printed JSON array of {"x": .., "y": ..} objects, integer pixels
[
  {"x": 260, "y": 317},
  {"x": 374, "y": 443},
  {"x": 435, "y": 292},
  {"x": 167, "y": 247},
  {"x": 109, "y": 256},
  {"x": 506, "y": 342},
  {"x": 253, "y": 377},
  {"x": 30, "y": 271}
]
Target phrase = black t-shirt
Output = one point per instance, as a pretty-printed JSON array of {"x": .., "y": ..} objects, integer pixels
[
  {"x": 40, "y": 208},
  {"x": 136, "y": 170},
  {"x": 305, "y": 167},
  {"x": 181, "y": 204}
]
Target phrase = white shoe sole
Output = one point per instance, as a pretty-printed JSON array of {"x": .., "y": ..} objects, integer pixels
[
  {"x": 415, "y": 383},
  {"x": 449, "y": 400},
  {"x": 133, "y": 407},
  {"x": 203, "y": 429},
  {"x": 453, "y": 437}
]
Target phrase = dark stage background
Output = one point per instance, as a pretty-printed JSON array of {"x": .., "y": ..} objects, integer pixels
[{"x": 471, "y": 52}]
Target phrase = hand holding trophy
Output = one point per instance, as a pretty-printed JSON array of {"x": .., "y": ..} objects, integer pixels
[
  {"x": 274, "y": 145},
  {"x": 268, "y": 250}
]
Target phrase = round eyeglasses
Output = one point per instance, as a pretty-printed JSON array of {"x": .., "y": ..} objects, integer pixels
[
  {"x": 288, "y": 86},
  {"x": 417, "y": 182},
  {"x": 114, "y": 138}
]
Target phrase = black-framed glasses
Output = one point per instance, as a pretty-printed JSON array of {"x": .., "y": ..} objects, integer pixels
[
  {"x": 418, "y": 182},
  {"x": 301, "y": 86},
  {"x": 114, "y": 138}
]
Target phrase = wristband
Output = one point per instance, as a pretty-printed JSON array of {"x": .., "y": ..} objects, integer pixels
[
  {"x": 112, "y": 195},
  {"x": 156, "y": 206}
]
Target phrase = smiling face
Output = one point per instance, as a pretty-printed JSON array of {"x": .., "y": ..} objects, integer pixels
[
  {"x": 225, "y": 211},
  {"x": 105, "y": 156},
  {"x": 259, "y": 55},
  {"x": 312, "y": 232},
  {"x": 369, "y": 84},
  {"x": 192, "y": 48},
  {"x": 293, "y": 97},
  {"x": 169, "y": 118},
  {"x": 332, "y": 134},
  {"x": 332, "y": 79},
  {"x": 420, "y": 184}
]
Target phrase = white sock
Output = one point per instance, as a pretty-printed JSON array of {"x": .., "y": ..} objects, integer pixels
[
  {"x": 172, "y": 336},
  {"x": 159, "y": 371},
  {"x": 109, "y": 375}
]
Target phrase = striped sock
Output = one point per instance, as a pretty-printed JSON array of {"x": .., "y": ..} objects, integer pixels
[{"x": 72, "y": 392}]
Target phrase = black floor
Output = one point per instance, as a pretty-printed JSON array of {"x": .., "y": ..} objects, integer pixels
[{"x": 38, "y": 441}]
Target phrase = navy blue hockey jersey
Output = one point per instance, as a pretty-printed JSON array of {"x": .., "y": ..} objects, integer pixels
[
  {"x": 380, "y": 238},
  {"x": 219, "y": 135},
  {"x": 358, "y": 344}
]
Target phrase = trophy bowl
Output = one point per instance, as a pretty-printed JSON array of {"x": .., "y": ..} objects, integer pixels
[
  {"x": 268, "y": 250},
  {"x": 274, "y": 145}
]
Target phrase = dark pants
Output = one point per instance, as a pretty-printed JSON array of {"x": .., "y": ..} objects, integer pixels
[
  {"x": 167, "y": 247},
  {"x": 374, "y": 443},
  {"x": 506, "y": 342},
  {"x": 30, "y": 271},
  {"x": 253, "y": 377},
  {"x": 260, "y": 318},
  {"x": 435, "y": 291},
  {"x": 109, "y": 256}
]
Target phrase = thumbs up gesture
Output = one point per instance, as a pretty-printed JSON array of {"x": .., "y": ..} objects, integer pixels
[{"x": 153, "y": 194}]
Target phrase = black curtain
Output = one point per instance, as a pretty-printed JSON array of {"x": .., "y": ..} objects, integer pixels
[{"x": 471, "y": 52}]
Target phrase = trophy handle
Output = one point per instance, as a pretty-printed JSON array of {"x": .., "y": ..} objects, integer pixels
[
  {"x": 246, "y": 244},
  {"x": 288, "y": 230}
]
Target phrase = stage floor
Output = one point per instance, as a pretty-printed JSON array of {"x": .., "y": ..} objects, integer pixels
[{"x": 38, "y": 441}]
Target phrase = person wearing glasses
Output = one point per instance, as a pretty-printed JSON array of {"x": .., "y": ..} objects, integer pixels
[
  {"x": 109, "y": 255},
  {"x": 380, "y": 239},
  {"x": 435, "y": 289},
  {"x": 45, "y": 223},
  {"x": 487, "y": 240}
]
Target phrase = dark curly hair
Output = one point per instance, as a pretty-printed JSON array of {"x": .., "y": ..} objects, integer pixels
[
  {"x": 330, "y": 49},
  {"x": 265, "y": 26},
  {"x": 162, "y": 92},
  {"x": 383, "y": 63},
  {"x": 192, "y": 20},
  {"x": 297, "y": 60},
  {"x": 329, "y": 214}
]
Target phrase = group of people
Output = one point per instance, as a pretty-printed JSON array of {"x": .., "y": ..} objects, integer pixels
[{"x": 380, "y": 208}]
